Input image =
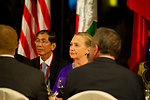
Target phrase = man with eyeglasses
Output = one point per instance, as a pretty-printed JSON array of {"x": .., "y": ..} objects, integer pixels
[{"x": 47, "y": 61}]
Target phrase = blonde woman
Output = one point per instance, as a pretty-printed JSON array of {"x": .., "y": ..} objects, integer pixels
[{"x": 79, "y": 50}]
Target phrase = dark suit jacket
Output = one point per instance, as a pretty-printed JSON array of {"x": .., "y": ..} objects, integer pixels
[
  {"x": 22, "y": 78},
  {"x": 56, "y": 65},
  {"x": 105, "y": 75}
]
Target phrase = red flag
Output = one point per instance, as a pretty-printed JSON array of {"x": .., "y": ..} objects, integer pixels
[
  {"x": 142, "y": 7},
  {"x": 141, "y": 30},
  {"x": 36, "y": 17}
]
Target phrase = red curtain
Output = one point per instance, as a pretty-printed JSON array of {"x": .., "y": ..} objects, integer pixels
[{"x": 141, "y": 28}]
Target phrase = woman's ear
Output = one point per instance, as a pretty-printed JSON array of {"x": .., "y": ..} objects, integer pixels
[{"x": 87, "y": 51}]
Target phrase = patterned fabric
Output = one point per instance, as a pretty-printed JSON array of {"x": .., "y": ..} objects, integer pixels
[
  {"x": 141, "y": 68},
  {"x": 44, "y": 68},
  {"x": 144, "y": 72}
]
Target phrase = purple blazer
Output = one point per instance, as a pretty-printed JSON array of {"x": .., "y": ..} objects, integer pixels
[{"x": 62, "y": 73}]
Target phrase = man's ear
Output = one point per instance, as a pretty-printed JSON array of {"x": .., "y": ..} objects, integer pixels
[
  {"x": 17, "y": 45},
  {"x": 96, "y": 52},
  {"x": 53, "y": 46}
]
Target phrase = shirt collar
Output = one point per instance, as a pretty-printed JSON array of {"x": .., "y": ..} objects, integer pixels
[
  {"x": 108, "y": 57},
  {"x": 7, "y": 55},
  {"x": 47, "y": 61}
]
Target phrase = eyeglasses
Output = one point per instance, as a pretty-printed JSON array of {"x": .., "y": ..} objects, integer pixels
[{"x": 43, "y": 42}]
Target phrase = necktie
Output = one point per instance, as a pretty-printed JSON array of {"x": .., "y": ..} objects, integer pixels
[{"x": 44, "y": 68}]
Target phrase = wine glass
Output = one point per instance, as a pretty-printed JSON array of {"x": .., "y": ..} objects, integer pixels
[
  {"x": 147, "y": 92},
  {"x": 61, "y": 84}
]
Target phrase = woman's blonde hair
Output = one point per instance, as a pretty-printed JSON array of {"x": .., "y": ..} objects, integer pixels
[{"x": 87, "y": 37}]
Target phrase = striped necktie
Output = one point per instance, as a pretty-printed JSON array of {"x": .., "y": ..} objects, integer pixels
[{"x": 44, "y": 68}]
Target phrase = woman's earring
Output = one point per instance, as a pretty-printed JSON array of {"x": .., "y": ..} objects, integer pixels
[{"x": 87, "y": 54}]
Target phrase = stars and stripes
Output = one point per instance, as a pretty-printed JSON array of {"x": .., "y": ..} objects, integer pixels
[{"x": 36, "y": 17}]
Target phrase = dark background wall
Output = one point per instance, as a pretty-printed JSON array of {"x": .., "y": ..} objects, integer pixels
[{"x": 119, "y": 18}]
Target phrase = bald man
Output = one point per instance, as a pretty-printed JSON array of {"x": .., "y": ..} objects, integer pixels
[{"x": 16, "y": 75}]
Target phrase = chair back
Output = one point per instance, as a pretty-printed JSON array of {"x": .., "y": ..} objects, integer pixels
[
  {"x": 92, "y": 95},
  {"x": 10, "y": 94}
]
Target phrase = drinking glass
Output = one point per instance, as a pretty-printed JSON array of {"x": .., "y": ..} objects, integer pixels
[
  {"x": 61, "y": 84},
  {"x": 147, "y": 92}
]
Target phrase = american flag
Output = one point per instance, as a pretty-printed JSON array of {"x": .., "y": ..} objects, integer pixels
[{"x": 36, "y": 17}]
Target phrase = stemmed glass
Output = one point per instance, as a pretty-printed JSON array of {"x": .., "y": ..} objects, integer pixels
[{"x": 61, "y": 84}]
